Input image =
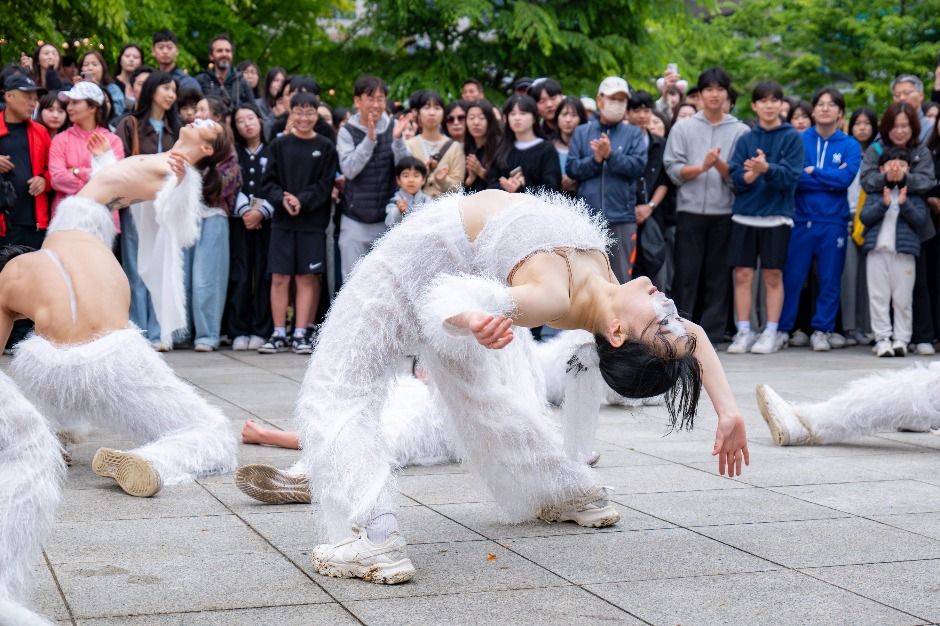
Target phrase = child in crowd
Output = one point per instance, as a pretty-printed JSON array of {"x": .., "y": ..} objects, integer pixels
[
  {"x": 410, "y": 174},
  {"x": 298, "y": 183},
  {"x": 765, "y": 168},
  {"x": 892, "y": 221}
]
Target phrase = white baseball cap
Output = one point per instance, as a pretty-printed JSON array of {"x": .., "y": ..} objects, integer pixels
[
  {"x": 83, "y": 91},
  {"x": 613, "y": 84}
]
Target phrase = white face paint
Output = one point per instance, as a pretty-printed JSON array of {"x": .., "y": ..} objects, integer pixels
[{"x": 667, "y": 315}]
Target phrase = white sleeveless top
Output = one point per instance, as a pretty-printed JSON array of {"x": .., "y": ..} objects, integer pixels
[{"x": 536, "y": 223}]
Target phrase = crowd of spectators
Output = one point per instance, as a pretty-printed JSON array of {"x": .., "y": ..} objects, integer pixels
[{"x": 810, "y": 225}]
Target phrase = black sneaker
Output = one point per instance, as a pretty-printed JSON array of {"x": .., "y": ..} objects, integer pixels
[
  {"x": 301, "y": 345},
  {"x": 277, "y": 343}
]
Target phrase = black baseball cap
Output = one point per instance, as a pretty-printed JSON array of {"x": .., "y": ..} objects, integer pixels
[
  {"x": 20, "y": 82},
  {"x": 523, "y": 83}
]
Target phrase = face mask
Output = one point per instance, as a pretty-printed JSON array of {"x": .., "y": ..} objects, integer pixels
[
  {"x": 614, "y": 110},
  {"x": 667, "y": 315}
]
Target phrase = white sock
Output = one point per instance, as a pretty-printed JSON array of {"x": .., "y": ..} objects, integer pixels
[
  {"x": 300, "y": 332},
  {"x": 772, "y": 327},
  {"x": 281, "y": 331},
  {"x": 744, "y": 327},
  {"x": 381, "y": 526}
]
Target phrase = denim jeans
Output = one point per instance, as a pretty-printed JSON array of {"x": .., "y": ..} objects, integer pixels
[
  {"x": 142, "y": 313},
  {"x": 205, "y": 267}
]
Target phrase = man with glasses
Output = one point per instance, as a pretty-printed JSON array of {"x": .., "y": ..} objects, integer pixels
[
  {"x": 369, "y": 146},
  {"x": 910, "y": 89},
  {"x": 831, "y": 160}
]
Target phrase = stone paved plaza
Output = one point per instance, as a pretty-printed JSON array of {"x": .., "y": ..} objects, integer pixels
[{"x": 846, "y": 534}]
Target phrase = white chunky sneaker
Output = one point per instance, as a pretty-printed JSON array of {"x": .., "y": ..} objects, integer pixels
[
  {"x": 133, "y": 473},
  {"x": 899, "y": 347},
  {"x": 356, "y": 557},
  {"x": 592, "y": 510},
  {"x": 786, "y": 429},
  {"x": 883, "y": 348},
  {"x": 769, "y": 342},
  {"x": 819, "y": 342},
  {"x": 742, "y": 342},
  {"x": 241, "y": 343},
  {"x": 924, "y": 349},
  {"x": 837, "y": 341},
  {"x": 799, "y": 339},
  {"x": 268, "y": 484}
]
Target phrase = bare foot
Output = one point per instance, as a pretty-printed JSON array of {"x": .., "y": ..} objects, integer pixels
[{"x": 251, "y": 432}]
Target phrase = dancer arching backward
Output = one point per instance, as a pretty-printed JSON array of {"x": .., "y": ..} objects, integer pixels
[
  {"x": 904, "y": 399},
  {"x": 87, "y": 365},
  {"x": 32, "y": 469},
  {"x": 448, "y": 283}
]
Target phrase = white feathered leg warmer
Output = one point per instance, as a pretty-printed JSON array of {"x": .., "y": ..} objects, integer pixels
[
  {"x": 32, "y": 471},
  {"x": 118, "y": 384},
  {"x": 907, "y": 399}
]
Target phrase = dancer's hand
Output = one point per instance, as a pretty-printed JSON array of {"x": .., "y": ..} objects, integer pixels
[
  {"x": 178, "y": 165},
  {"x": 731, "y": 445},
  {"x": 491, "y": 331}
]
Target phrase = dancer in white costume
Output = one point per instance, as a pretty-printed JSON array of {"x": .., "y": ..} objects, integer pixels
[
  {"x": 448, "y": 284},
  {"x": 904, "y": 399},
  {"x": 32, "y": 469},
  {"x": 86, "y": 365}
]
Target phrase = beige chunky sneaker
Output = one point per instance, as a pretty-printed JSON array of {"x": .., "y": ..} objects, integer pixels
[
  {"x": 133, "y": 473},
  {"x": 786, "y": 429},
  {"x": 268, "y": 484},
  {"x": 383, "y": 563},
  {"x": 592, "y": 510}
]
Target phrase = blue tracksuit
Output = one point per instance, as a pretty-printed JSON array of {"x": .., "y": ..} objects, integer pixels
[{"x": 820, "y": 230}]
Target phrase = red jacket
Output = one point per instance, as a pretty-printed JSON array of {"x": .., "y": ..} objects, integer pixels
[{"x": 39, "y": 143}]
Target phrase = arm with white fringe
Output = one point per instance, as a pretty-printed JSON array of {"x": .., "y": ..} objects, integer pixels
[{"x": 584, "y": 391}]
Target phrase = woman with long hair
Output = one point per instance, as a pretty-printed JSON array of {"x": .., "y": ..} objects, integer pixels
[
  {"x": 51, "y": 114},
  {"x": 45, "y": 65},
  {"x": 442, "y": 155},
  {"x": 569, "y": 115},
  {"x": 856, "y": 324},
  {"x": 273, "y": 84},
  {"x": 480, "y": 143},
  {"x": 207, "y": 262},
  {"x": 249, "y": 296},
  {"x": 249, "y": 69},
  {"x": 94, "y": 68},
  {"x": 524, "y": 160},
  {"x": 129, "y": 59},
  {"x": 900, "y": 128},
  {"x": 152, "y": 128}
]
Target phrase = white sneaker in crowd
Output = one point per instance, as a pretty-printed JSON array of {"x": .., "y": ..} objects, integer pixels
[
  {"x": 592, "y": 510},
  {"x": 924, "y": 349},
  {"x": 241, "y": 343},
  {"x": 837, "y": 341},
  {"x": 769, "y": 342},
  {"x": 899, "y": 347},
  {"x": 255, "y": 342},
  {"x": 799, "y": 339},
  {"x": 742, "y": 342},
  {"x": 384, "y": 563},
  {"x": 883, "y": 348},
  {"x": 786, "y": 429},
  {"x": 819, "y": 341}
]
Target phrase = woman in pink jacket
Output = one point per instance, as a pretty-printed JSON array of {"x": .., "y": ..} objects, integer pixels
[{"x": 70, "y": 157}]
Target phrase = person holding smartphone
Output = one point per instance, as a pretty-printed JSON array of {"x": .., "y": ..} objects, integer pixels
[{"x": 524, "y": 160}]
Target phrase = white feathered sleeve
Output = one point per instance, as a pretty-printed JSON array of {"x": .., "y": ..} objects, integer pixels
[
  {"x": 584, "y": 392},
  {"x": 449, "y": 296},
  {"x": 177, "y": 207},
  {"x": 101, "y": 161}
]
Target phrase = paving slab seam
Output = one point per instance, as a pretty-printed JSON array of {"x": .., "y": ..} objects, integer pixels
[
  {"x": 861, "y": 595},
  {"x": 539, "y": 565},
  {"x": 198, "y": 612},
  {"x": 227, "y": 401},
  {"x": 814, "y": 567},
  {"x": 906, "y": 443},
  {"x": 58, "y": 587},
  {"x": 286, "y": 557},
  {"x": 227, "y": 354},
  {"x": 784, "y": 521}
]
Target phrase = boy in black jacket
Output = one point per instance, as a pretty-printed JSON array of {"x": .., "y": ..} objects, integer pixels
[{"x": 298, "y": 183}]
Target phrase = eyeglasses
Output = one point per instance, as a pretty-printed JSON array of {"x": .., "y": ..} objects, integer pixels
[
  {"x": 303, "y": 113},
  {"x": 456, "y": 119}
]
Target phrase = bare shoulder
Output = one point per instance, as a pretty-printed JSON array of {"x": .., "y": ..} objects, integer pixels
[{"x": 477, "y": 208}]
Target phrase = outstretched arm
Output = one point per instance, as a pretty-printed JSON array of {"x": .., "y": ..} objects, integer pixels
[{"x": 730, "y": 436}]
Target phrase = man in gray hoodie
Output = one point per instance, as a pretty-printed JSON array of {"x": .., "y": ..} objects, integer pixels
[
  {"x": 369, "y": 146},
  {"x": 696, "y": 160}
]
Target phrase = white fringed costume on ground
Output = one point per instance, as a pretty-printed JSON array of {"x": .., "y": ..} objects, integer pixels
[
  {"x": 117, "y": 383},
  {"x": 492, "y": 402},
  {"x": 32, "y": 469},
  {"x": 904, "y": 399}
]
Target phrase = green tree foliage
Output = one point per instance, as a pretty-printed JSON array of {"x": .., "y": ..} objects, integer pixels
[{"x": 854, "y": 45}]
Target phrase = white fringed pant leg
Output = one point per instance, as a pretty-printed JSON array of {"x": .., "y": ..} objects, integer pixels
[
  {"x": 905, "y": 399},
  {"x": 118, "y": 384},
  {"x": 32, "y": 471}
]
